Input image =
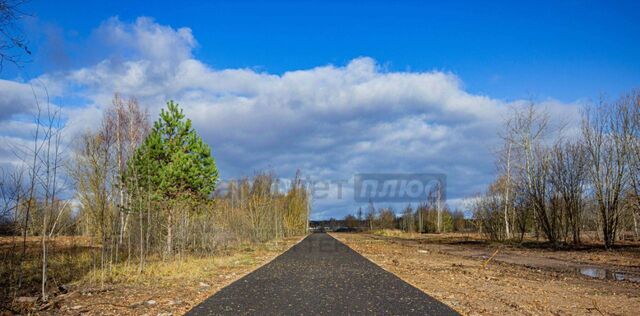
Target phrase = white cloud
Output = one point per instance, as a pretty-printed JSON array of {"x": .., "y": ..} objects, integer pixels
[
  {"x": 147, "y": 40},
  {"x": 329, "y": 121},
  {"x": 16, "y": 99}
]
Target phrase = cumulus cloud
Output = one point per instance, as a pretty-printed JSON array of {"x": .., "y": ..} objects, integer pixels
[
  {"x": 330, "y": 121},
  {"x": 16, "y": 99}
]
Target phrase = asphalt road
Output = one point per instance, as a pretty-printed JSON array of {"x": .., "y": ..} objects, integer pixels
[{"x": 320, "y": 275}]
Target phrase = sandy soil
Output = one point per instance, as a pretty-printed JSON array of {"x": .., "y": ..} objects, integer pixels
[{"x": 516, "y": 280}]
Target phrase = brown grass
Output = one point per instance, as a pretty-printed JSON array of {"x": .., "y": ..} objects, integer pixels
[
  {"x": 175, "y": 285},
  {"x": 68, "y": 259}
]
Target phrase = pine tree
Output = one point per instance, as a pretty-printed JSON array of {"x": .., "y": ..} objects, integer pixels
[{"x": 173, "y": 164}]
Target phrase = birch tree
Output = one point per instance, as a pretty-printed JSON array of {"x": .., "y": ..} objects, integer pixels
[{"x": 607, "y": 135}]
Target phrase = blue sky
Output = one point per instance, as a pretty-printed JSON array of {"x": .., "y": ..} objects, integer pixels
[
  {"x": 446, "y": 70},
  {"x": 561, "y": 49}
]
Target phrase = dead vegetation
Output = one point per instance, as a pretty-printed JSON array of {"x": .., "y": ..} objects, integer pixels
[
  {"x": 164, "y": 287},
  {"x": 459, "y": 270},
  {"x": 555, "y": 182}
]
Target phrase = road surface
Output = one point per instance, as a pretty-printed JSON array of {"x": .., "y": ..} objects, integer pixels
[{"x": 320, "y": 275}]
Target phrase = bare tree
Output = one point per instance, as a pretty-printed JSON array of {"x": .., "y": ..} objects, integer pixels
[
  {"x": 408, "y": 221},
  {"x": 371, "y": 215},
  {"x": 13, "y": 45},
  {"x": 528, "y": 130},
  {"x": 91, "y": 176},
  {"x": 634, "y": 159},
  {"x": 12, "y": 193},
  {"x": 486, "y": 212},
  {"x": 130, "y": 125},
  {"x": 607, "y": 134},
  {"x": 524, "y": 134},
  {"x": 438, "y": 201},
  {"x": 507, "y": 190},
  {"x": 568, "y": 173},
  {"x": 386, "y": 218},
  {"x": 11, "y": 197},
  {"x": 106, "y": 196},
  {"x": 42, "y": 162}
]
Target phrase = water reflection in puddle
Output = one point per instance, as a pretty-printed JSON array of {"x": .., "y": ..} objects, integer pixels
[{"x": 607, "y": 274}]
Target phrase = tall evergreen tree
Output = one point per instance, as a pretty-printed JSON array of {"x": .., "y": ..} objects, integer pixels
[{"x": 173, "y": 164}]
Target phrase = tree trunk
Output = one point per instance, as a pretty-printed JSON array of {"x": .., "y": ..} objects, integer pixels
[
  {"x": 635, "y": 226},
  {"x": 439, "y": 212},
  {"x": 506, "y": 194},
  {"x": 44, "y": 256},
  {"x": 141, "y": 240},
  {"x": 170, "y": 233}
]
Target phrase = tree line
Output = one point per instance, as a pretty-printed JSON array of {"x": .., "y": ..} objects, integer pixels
[
  {"x": 557, "y": 182},
  {"x": 427, "y": 217},
  {"x": 136, "y": 191}
]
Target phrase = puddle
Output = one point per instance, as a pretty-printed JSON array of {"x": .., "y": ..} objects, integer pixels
[{"x": 607, "y": 274}]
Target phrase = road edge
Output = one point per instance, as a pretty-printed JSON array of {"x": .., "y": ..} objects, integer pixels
[
  {"x": 248, "y": 272},
  {"x": 383, "y": 268}
]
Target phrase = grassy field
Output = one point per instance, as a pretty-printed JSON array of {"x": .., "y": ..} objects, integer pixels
[
  {"x": 170, "y": 286},
  {"x": 69, "y": 259}
]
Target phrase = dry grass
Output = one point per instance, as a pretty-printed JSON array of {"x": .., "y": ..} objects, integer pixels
[
  {"x": 173, "y": 286},
  {"x": 68, "y": 259},
  {"x": 392, "y": 233},
  {"x": 185, "y": 268}
]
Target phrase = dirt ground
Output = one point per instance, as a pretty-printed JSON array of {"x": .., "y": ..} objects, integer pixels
[
  {"x": 169, "y": 288},
  {"x": 479, "y": 278}
]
